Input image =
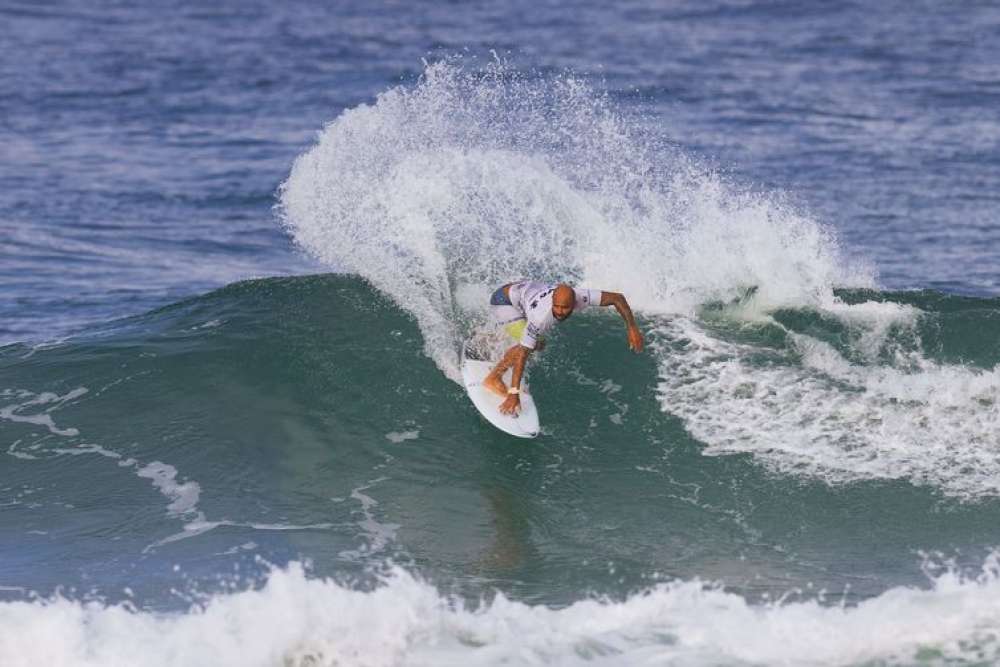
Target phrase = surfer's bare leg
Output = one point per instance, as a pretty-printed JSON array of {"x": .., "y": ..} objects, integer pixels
[{"x": 494, "y": 381}]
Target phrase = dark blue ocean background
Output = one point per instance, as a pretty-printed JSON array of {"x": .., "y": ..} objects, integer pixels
[{"x": 212, "y": 383}]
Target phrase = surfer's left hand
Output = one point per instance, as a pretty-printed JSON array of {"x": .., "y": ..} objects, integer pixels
[
  {"x": 635, "y": 340},
  {"x": 512, "y": 405}
]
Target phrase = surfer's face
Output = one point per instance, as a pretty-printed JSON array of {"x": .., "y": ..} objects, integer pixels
[
  {"x": 563, "y": 302},
  {"x": 562, "y": 312}
]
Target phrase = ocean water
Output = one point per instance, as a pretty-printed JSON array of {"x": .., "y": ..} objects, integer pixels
[{"x": 242, "y": 244}]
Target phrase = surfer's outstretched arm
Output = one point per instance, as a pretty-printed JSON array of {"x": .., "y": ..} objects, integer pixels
[{"x": 635, "y": 340}]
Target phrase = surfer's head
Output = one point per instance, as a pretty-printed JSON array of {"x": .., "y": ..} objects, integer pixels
[{"x": 563, "y": 300}]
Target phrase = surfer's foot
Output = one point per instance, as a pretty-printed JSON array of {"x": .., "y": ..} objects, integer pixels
[{"x": 496, "y": 385}]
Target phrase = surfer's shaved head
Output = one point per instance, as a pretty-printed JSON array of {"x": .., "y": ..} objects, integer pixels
[{"x": 563, "y": 300}]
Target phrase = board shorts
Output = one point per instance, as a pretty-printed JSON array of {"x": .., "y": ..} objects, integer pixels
[{"x": 507, "y": 315}]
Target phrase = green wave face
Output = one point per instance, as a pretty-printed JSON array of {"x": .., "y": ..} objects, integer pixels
[{"x": 302, "y": 416}]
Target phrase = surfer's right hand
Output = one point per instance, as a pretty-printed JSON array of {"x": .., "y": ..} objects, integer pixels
[{"x": 512, "y": 405}]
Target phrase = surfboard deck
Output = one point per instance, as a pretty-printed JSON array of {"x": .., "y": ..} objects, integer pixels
[{"x": 524, "y": 424}]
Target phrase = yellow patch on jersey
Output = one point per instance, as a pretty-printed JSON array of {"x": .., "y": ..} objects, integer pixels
[{"x": 516, "y": 329}]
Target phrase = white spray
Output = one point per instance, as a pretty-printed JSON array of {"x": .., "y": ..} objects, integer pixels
[{"x": 441, "y": 191}]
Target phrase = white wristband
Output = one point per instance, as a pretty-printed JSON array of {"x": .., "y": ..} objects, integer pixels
[{"x": 513, "y": 390}]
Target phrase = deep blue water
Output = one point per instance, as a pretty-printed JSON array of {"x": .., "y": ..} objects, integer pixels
[{"x": 800, "y": 199}]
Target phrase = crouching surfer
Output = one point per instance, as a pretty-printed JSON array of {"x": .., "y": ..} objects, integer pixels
[{"x": 528, "y": 309}]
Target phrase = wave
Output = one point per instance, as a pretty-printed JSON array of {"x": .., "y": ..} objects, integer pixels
[
  {"x": 297, "y": 620},
  {"x": 874, "y": 386}
]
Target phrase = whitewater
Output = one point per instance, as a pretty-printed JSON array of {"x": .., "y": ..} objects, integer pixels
[{"x": 296, "y": 621}]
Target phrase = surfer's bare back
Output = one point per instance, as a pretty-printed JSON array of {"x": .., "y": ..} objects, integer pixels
[{"x": 526, "y": 310}]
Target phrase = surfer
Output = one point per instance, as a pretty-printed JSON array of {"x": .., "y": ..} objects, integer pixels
[{"x": 526, "y": 310}]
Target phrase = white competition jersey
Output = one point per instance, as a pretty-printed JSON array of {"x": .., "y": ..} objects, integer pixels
[{"x": 535, "y": 301}]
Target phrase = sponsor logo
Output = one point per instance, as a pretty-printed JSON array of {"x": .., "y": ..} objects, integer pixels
[{"x": 534, "y": 304}]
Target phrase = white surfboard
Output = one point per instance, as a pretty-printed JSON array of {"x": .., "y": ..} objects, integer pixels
[{"x": 522, "y": 425}]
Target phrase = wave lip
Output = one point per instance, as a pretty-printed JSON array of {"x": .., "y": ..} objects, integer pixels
[{"x": 297, "y": 621}]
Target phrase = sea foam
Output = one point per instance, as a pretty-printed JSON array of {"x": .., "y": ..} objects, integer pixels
[
  {"x": 295, "y": 620},
  {"x": 809, "y": 410}
]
